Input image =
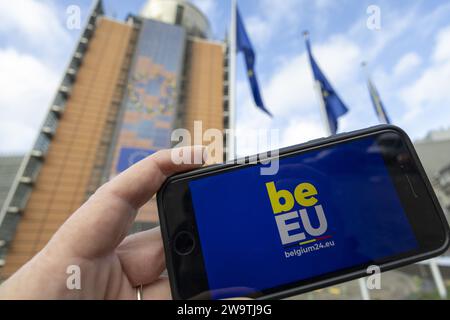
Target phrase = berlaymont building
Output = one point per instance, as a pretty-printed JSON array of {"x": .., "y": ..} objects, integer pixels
[{"x": 127, "y": 85}]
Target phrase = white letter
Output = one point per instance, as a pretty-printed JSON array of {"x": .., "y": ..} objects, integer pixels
[
  {"x": 73, "y": 281},
  {"x": 284, "y": 228},
  {"x": 215, "y": 147},
  {"x": 323, "y": 225},
  {"x": 73, "y": 17},
  {"x": 374, "y": 280},
  {"x": 374, "y": 20},
  {"x": 183, "y": 137},
  {"x": 274, "y": 161},
  {"x": 198, "y": 140}
]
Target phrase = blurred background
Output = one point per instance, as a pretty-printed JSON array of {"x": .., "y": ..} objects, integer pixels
[{"x": 90, "y": 87}]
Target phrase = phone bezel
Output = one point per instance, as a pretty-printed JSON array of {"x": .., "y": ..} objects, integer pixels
[{"x": 327, "y": 280}]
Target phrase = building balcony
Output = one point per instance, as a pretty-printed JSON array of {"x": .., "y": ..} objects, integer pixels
[
  {"x": 38, "y": 154},
  {"x": 48, "y": 131},
  {"x": 57, "y": 110},
  {"x": 13, "y": 210},
  {"x": 26, "y": 180}
]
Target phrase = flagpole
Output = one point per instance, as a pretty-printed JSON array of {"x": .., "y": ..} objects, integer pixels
[
  {"x": 318, "y": 90},
  {"x": 377, "y": 106},
  {"x": 231, "y": 141}
]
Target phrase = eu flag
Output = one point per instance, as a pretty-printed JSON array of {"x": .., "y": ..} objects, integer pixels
[
  {"x": 333, "y": 104},
  {"x": 130, "y": 156},
  {"x": 244, "y": 45},
  {"x": 377, "y": 104}
]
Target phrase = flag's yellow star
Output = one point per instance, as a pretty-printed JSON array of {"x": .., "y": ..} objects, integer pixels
[{"x": 250, "y": 72}]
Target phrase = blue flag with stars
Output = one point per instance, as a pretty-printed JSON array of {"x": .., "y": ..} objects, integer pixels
[
  {"x": 333, "y": 104},
  {"x": 377, "y": 104},
  {"x": 244, "y": 45}
]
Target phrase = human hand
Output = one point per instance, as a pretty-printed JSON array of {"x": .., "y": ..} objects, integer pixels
[{"x": 94, "y": 239}]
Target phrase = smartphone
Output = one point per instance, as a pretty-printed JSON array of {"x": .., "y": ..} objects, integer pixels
[{"x": 333, "y": 208}]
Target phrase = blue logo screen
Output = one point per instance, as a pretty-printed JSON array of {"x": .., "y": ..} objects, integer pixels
[{"x": 323, "y": 211}]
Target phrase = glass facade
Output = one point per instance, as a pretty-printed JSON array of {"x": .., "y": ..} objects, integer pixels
[{"x": 150, "y": 102}]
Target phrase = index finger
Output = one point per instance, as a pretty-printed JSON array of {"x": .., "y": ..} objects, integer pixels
[{"x": 102, "y": 222}]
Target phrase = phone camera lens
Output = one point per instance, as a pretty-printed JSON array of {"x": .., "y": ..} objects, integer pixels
[{"x": 184, "y": 243}]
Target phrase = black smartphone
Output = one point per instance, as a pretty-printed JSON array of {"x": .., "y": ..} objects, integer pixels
[{"x": 332, "y": 208}]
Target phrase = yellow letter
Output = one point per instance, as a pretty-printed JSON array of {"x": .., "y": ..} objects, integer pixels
[
  {"x": 275, "y": 196},
  {"x": 304, "y": 193}
]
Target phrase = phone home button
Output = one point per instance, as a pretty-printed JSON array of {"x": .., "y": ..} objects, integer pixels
[{"x": 184, "y": 243}]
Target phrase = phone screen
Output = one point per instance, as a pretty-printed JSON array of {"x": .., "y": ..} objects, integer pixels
[{"x": 323, "y": 211}]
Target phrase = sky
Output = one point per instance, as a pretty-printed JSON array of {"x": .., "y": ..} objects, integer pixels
[{"x": 408, "y": 59}]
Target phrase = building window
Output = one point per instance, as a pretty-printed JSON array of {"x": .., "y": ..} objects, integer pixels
[{"x": 179, "y": 15}]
